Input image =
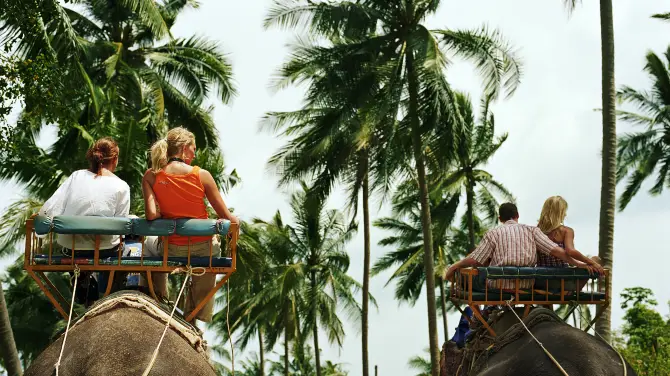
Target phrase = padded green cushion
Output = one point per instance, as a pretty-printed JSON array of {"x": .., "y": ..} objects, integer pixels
[
  {"x": 529, "y": 272},
  {"x": 42, "y": 224},
  {"x": 157, "y": 227},
  {"x": 85, "y": 225},
  {"x": 201, "y": 227}
]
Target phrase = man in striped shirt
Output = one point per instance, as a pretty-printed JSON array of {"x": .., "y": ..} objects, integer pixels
[{"x": 513, "y": 244}]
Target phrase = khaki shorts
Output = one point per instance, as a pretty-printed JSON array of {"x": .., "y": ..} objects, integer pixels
[{"x": 201, "y": 285}]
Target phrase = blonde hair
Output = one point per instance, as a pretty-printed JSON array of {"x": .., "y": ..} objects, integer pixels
[
  {"x": 172, "y": 145},
  {"x": 553, "y": 213}
]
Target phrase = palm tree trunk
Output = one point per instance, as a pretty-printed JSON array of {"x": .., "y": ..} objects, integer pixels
[
  {"x": 286, "y": 363},
  {"x": 425, "y": 212},
  {"x": 470, "y": 196},
  {"x": 366, "y": 263},
  {"x": 443, "y": 302},
  {"x": 315, "y": 329},
  {"x": 7, "y": 345},
  {"x": 608, "y": 182},
  {"x": 261, "y": 351}
]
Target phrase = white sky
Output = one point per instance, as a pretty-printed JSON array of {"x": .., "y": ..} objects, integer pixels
[{"x": 553, "y": 148}]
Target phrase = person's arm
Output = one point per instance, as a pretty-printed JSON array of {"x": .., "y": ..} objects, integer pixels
[
  {"x": 546, "y": 246},
  {"x": 214, "y": 197},
  {"x": 569, "y": 241},
  {"x": 150, "y": 208},
  {"x": 478, "y": 257},
  {"x": 465, "y": 263}
]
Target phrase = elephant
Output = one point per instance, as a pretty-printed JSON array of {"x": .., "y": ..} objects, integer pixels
[
  {"x": 118, "y": 336},
  {"x": 515, "y": 352}
]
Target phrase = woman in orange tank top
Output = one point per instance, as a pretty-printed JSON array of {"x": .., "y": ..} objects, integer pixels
[{"x": 172, "y": 188}]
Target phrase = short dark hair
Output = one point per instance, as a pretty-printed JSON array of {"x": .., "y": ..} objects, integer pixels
[{"x": 508, "y": 211}]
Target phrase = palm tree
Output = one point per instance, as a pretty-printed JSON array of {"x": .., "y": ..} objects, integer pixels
[
  {"x": 319, "y": 237},
  {"x": 305, "y": 365},
  {"x": 644, "y": 154},
  {"x": 252, "y": 366},
  {"x": 333, "y": 369},
  {"x": 10, "y": 354},
  {"x": 419, "y": 364},
  {"x": 302, "y": 363},
  {"x": 249, "y": 279},
  {"x": 333, "y": 139},
  {"x": 476, "y": 147},
  {"x": 137, "y": 85},
  {"x": 281, "y": 287},
  {"x": 413, "y": 63},
  {"x": 662, "y": 16},
  {"x": 450, "y": 245},
  {"x": 410, "y": 274},
  {"x": 609, "y": 151},
  {"x": 309, "y": 281}
]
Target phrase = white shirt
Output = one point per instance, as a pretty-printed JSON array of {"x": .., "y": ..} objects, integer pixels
[{"x": 83, "y": 193}]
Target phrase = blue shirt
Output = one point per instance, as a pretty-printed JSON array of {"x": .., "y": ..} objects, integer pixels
[{"x": 463, "y": 328}]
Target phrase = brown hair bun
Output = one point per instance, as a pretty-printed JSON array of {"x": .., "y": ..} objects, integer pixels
[{"x": 103, "y": 151}]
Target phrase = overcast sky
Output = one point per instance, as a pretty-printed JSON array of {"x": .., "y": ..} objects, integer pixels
[{"x": 553, "y": 147}]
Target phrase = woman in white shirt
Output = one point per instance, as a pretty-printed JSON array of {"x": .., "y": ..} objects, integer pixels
[{"x": 92, "y": 192}]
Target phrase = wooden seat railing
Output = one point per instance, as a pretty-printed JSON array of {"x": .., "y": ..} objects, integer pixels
[
  {"x": 528, "y": 286},
  {"x": 39, "y": 228}
]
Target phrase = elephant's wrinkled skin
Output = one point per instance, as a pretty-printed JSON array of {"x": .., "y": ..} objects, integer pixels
[
  {"x": 579, "y": 353},
  {"x": 121, "y": 342}
]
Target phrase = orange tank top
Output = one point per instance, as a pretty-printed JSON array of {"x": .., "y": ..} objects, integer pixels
[{"x": 181, "y": 196}]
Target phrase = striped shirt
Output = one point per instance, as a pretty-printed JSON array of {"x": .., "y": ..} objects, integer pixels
[{"x": 512, "y": 244}]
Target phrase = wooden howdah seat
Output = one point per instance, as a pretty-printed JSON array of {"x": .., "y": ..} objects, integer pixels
[
  {"x": 42, "y": 253},
  {"x": 482, "y": 286}
]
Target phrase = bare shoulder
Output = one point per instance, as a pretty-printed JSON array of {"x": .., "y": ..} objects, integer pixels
[
  {"x": 567, "y": 231},
  {"x": 149, "y": 176},
  {"x": 205, "y": 176}
]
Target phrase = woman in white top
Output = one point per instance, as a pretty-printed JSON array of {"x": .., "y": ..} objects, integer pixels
[{"x": 92, "y": 192}]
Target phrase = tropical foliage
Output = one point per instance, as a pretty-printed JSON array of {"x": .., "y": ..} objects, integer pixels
[
  {"x": 410, "y": 60},
  {"x": 645, "y": 154},
  {"x": 125, "y": 82},
  {"x": 450, "y": 244},
  {"x": 303, "y": 285},
  {"x": 645, "y": 336},
  {"x": 465, "y": 176},
  {"x": 337, "y": 136},
  {"x": 420, "y": 364}
]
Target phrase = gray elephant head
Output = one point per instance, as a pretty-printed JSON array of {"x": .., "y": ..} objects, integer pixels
[{"x": 118, "y": 336}]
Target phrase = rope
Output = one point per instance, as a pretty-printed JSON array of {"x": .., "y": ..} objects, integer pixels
[
  {"x": 69, "y": 317},
  {"x": 536, "y": 340},
  {"x": 189, "y": 272},
  {"x": 623, "y": 362}
]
